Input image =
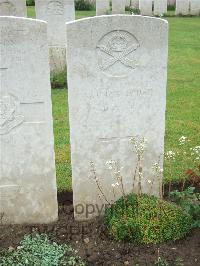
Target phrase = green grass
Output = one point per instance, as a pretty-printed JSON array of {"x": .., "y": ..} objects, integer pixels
[
  {"x": 31, "y": 11},
  {"x": 183, "y": 96}
]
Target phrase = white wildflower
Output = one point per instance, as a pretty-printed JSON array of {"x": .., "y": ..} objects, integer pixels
[
  {"x": 170, "y": 155},
  {"x": 157, "y": 169},
  {"x": 182, "y": 140},
  {"x": 110, "y": 164},
  {"x": 140, "y": 145}
]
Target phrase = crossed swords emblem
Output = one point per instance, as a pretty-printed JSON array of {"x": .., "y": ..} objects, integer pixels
[{"x": 118, "y": 55}]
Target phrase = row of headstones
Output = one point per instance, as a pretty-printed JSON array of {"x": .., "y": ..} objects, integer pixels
[
  {"x": 112, "y": 97},
  {"x": 149, "y": 7},
  {"x": 58, "y": 12},
  {"x": 188, "y": 7},
  {"x": 159, "y": 7}
]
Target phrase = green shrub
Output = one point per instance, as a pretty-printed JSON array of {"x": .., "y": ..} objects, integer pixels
[
  {"x": 189, "y": 201},
  {"x": 30, "y": 2},
  {"x": 38, "y": 250},
  {"x": 146, "y": 219},
  {"x": 84, "y": 5}
]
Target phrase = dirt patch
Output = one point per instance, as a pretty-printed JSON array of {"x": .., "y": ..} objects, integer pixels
[{"x": 93, "y": 244}]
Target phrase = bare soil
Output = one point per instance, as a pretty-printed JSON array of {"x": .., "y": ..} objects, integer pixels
[{"x": 95, "y": 246}]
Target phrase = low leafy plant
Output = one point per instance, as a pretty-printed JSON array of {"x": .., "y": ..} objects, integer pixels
[
  {"x": 163, "y": 262},
  {"x": 146, "y": 219},
  {"x": 189, "y": 201},
  {"x": 39, "y": 251},
  {"x": 135, "y": 11}
]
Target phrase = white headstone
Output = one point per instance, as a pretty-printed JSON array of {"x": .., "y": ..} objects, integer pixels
[
  {"x": 13, "y": 8},
  {"x": 135, "y": 3},
  {"x": 171, "y": 2},
  {"x": 145, "y": 7},
  {"x": 118, "y": 6},
  {"x": 117, "y": 73},
  {"x": 56, "y": 13},
  {"x": 128, "y": 3},
  {"x": 70, "y": 10},
  {"x": 195, "y": 7},
  {"x": 182, "y": 7},
  {"x": 102, "y": 7},
  {"x": 160, "y": 7},
  {"x": 27, "y": 164}
]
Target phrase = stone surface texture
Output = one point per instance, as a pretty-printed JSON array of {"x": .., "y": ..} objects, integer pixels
[
  {"x": 145, "y": 7},
  {"x": 160, "y": 7},
  {"x": 118, "y": 6},
  {"x": 15, "y": 8},
  {"x": 182, "y": 7},
  {"x": 135, "y": 3},
  {"x": 28, "y": 191},
  {"x": 117, "y": 74},
  {"x": 102, "y": 7},
  {"x": 195, "y": 7}
]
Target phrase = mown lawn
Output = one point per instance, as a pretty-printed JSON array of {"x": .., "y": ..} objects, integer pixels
[{"x": 183, "y": 98}]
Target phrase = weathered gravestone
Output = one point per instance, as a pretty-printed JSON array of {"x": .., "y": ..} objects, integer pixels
[
  {"x": 102, "y": 7},
  {"x": 195, "y": 7},
  {"x": 145, "y": 7},
  {"x": 160, "y": 7},
  {"x": 127, "y": 3},
  {"x": 117, "y": 73},
  {"x": 118, "y": 6},
  {"x": 135, "y": 4},
  {"x": 27, "y": 165},
  {"x": 182, "y": 7},
  {"x": 171, "y": 2},
  {"x": 56, "y": 13},
  {"x": 70, "y": 10},
  {"x": 13, "y": 8}
]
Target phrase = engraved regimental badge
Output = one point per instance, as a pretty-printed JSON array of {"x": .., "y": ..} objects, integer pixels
[
  {"x": 7, "y": 8},
  {"x": 55, "y": 8},
  {"x": 116, "y": 53},
  {"x": 9, "y": 114}
]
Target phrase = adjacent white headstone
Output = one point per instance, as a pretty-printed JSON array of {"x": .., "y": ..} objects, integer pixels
[
  {"x": 128, "y": 3},
  {"x": 145, "y": 7},
  {"x": 135, "y": 4},
  {"x": 27, "y": 164},
  {"x": 13, "y": 8},
  {"x": 102, "y": 7},
  {"x": 160, "y": 7},
  {"x": 171, "y": 2},
  {"x": 56, "y": 13},
  {"x": 182, "y": 7},
  {"x": 195, "y": 7},
  {"x": 117, "y": 73},
  {"x": 70, "y": 10},
  {"x": 118, "y": 6}
]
